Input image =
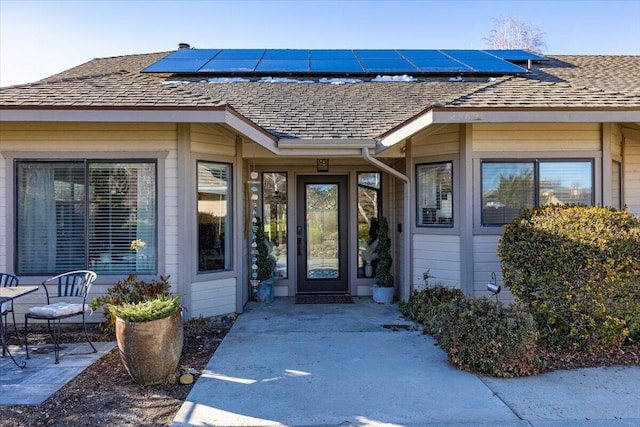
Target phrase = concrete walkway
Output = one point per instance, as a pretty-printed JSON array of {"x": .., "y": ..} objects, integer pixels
[{"x": 363, "y": 364}]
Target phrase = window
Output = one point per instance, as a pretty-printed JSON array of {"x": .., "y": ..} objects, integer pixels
[
  {"x": 509, "y": 187},
  {"x": 214, "y": 220},
  {"x": 86, "y": 214},
  {"x": 274, "y": 206},
  {"x": 369, "y": 205},
  {"x": 435, "y": 194}
]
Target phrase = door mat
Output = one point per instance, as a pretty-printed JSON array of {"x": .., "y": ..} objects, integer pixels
[{"x": 324, "y": 299}]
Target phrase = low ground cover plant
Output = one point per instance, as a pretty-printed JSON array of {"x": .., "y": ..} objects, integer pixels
[
  {"x": 479, "y": 335},
  {"x": 576, "y": 269}
]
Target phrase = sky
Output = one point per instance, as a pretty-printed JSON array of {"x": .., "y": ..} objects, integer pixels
[{"x": 41, "y": 38}]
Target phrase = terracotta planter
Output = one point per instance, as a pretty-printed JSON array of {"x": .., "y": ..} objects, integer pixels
[{"x": 150, "y": 351}]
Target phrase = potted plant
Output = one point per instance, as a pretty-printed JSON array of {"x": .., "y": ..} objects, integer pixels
[
  {"x": 368, "y": 255},
  {"x": 150, "y": 337},
  {"x": 266, "y": 263},
  {"x": 383, "y": 288}
]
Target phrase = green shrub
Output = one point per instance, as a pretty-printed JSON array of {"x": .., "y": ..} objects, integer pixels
[
  {"x": 484, "y": 336},
  {"x": 153, "y": 308},
  {"x": 425, "y": 306},
  {"x": 576, "y": 270},
  {"x": 129, "y": 290}
]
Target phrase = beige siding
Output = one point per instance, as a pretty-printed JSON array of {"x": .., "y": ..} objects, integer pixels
[
  {"x": 212, "y": 139},
  {"x": 213, "y": 298},
  {"x": 438, "y": 254},
  {"x": 75, "y": 137},
  {"x": 444, "y": 140},
  {"x": 4, "y": 227},
  {"x": 632, "y": 176},
  {"x": 486, "y": 262},
  {"x": 616, "y": 140},
  {"x": 537, "y": 136}
]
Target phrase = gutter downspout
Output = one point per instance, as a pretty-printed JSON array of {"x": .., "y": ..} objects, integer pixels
[{"x": 406, "y": 271}]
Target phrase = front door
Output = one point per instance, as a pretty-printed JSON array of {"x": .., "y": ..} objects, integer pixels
[{"x": 321, "y": 234}]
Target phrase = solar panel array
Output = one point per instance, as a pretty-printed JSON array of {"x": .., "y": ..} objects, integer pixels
[{"x": 342, "y": 61}]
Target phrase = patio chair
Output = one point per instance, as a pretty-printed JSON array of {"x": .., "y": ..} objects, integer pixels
[
  {"x": 69, "y": 291},
  {"x": 7, "y": 280}
]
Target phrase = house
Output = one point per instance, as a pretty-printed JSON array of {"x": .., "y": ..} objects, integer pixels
[{"x": 158, "y": 163}]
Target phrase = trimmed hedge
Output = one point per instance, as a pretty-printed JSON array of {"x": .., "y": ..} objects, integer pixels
[
  {"x": 153, "y": 308},
  {"x": 479, "y": 335},
  {"x": 576, "y": 269}
]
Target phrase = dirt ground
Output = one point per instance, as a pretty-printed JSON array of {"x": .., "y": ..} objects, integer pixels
[{"x": 105, "y": 395}]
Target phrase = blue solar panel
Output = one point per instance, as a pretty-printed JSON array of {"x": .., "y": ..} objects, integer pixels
[
  {"x": 515, "y": 55},
  {"x": 462, "y": 55},
  {"x": 494, "y": 66},
  {"x": 240, "y": 54},
  {"x": 193, "y": 54},
  {"x": 283, "y": 65},
  {"x": 414, "y": 54},
  {"x": 331, "y": 54},
  {"x": 176, "y": 66},
  {"x": 335, "y": 66},
  {"x": 377, "y": 54},
  {"x": 387, "y": 66},
  {"x": 286, "y": 54},
  {"x": 441, "y": 66},
  {"x": 229, "y": 65},
  {"x": 336, "y": 61}
]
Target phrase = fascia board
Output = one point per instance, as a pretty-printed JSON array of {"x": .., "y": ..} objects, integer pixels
[
  {"x": 112, "y": 115},
  {"x": 410, "y": 128},
  {"x": 323, "y": 144},
  {"x": 537, "y": 116}
]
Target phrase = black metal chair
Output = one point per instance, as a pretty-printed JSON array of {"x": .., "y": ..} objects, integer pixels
[
  {"x": 7, "y": 280},
  {"x": 70, "y": 296}
]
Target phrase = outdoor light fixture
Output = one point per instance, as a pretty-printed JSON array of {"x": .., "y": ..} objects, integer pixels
[{"x": 493, "y": 287}]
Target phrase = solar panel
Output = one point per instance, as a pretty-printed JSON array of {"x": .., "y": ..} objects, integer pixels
[
  {"x": 229, "y": 65},
  {"x": 336, "y": 66},
  {"x": 289, "y": 54},
  {"x": 332, "y": 54},
  {"x": 283, "y": 65},
  {"x": 376, "y": 54},
  {"x": 341, "y": 61},
  {"x": 387, "y": 66},
  {"x": 515, "y": 55}
]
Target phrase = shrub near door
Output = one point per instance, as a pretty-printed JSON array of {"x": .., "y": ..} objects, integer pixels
[{"x": 150, "y": 338}]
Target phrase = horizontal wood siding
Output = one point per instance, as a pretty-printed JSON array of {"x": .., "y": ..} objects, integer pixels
[
  {"x": 537, "y": 136},
  {"x": 211, "y": 139},
  {"x": 438, "y": 254},
  {"x": 445, "y": 140},
  {"x": 632, "y": 176},
  {"x": 486, "y": 262},
  {"x": 213, "y": 298}
]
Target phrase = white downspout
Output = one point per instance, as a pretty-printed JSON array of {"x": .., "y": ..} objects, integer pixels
[{"x": 405, "y": 286}]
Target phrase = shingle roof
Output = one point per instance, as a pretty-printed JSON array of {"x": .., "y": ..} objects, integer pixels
[{"x": 357, "y": 110}]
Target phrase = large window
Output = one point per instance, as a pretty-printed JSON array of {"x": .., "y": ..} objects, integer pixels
[
  {"x": 214, "y": 220},
  {"x": 86, "y": 214},
  {"x": 435, "y": 194},
  {"x": 274, "y": 205},
  {"x": 369, "y": 208},
  {"x": 509, "y": 187}
]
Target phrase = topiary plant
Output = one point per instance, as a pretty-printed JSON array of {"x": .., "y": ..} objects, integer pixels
[
  {"x": 384, "y": 277},
  {"x": 575, "y": 268},
  {"x": 265, "y": 261}
]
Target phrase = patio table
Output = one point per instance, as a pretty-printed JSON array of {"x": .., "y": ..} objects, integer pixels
[{"x": 8, "y": 295}]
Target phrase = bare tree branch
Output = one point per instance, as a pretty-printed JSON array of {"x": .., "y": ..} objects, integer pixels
[{"x": 510, "y": 33}]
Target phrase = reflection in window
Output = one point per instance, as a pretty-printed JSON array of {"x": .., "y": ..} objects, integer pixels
[
  {"x": 369, "y": 204},
  {"x": 323, "y": 239},
  {"x": 435, "y": 194},
  {"x": 86, "y": 215},
  {"x": 274, "y": 202},
  {"x": 214, "y": 223},
  {"x": 510, "y": 187}
]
